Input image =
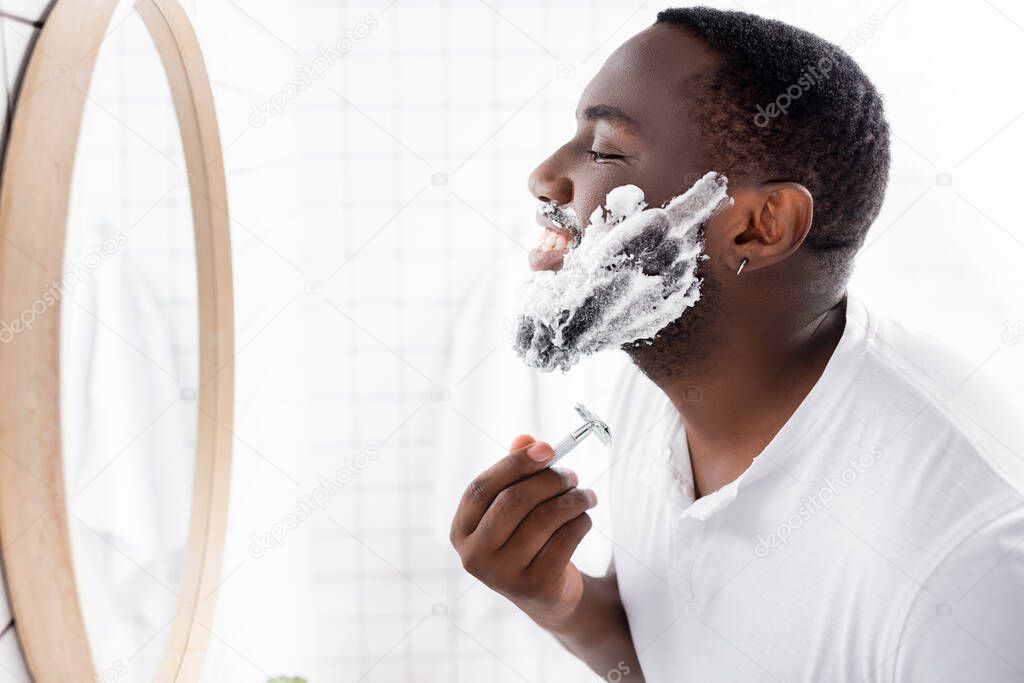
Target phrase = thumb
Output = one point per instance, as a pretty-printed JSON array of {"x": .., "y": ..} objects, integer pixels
[{"x": 521, "y": 441}]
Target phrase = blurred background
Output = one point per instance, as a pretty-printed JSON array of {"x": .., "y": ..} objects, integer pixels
[{"x": 377, "y": 156}]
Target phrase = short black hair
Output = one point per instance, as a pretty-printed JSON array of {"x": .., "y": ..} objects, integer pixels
[{"x": 832, "y": 137}]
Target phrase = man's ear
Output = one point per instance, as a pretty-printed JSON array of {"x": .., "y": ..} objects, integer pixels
[{"x": 766, "y": 224}]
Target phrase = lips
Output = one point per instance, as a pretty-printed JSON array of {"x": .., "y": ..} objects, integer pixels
[{"x": 551, "y": 247}]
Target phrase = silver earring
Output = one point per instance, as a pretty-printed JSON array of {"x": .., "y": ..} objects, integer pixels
[{"x": 742, "y": 263}]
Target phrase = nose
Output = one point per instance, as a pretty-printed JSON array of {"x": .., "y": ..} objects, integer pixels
[{"x": 548, "y": 183}]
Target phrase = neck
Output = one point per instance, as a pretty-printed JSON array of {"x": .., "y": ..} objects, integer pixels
[{"x": 734, "y": 398}]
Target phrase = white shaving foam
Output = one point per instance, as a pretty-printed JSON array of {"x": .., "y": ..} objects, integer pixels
[{"x": 631, "y": 275}]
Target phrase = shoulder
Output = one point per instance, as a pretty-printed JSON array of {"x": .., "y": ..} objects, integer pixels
[
  {"x": 950, "y": 495},
  {"x": 939, "y": 408},
  {"x": 961, "y": 622}
]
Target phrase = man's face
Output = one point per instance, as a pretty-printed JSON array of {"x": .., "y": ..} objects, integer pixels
[{"x": 632, "y": 127}]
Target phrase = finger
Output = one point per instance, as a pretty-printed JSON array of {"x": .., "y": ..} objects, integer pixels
[
  {"x": 485, "y": 487},
  {"x": 518, "y": 501},
  {"x": 557, "y": 552},
  {"x": 521, "y": 441},
  {"x": 545, "y": 520}
]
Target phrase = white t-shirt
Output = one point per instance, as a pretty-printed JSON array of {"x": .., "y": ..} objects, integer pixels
[{"x": 878, "y": 537}]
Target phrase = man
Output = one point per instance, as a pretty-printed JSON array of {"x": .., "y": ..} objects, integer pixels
[{"x": 801, "y": 490}]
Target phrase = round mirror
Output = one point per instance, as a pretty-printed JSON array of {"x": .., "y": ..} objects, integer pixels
[
  {"x": 129, "y": 356},
  {"x": 117, "y": 350}
]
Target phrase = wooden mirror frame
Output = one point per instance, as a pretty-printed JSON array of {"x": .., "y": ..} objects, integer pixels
[{"x": 34, "y": 196}]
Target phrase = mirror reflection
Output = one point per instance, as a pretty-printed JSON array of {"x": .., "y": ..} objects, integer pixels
[{"x": 129, "y": 356}]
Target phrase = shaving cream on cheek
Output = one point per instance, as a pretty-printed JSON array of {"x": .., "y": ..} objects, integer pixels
[{"x": 632, "y": 274}]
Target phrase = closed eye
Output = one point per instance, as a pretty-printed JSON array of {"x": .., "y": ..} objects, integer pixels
[{"x": 599, "y": 156}]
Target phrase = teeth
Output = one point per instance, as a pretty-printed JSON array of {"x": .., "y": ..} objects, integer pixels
[{"x": 549, "y": 240}]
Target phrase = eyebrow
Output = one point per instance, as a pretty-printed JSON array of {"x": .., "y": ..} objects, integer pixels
[{"x": 610, "y": 113}]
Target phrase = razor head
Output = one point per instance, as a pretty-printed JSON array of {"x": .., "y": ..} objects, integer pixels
[{"x": 597, "y": 425}]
